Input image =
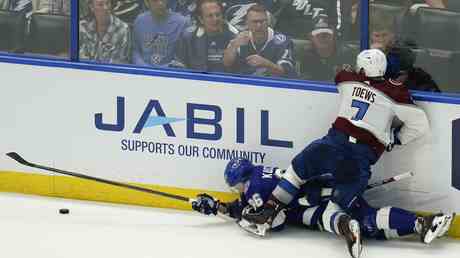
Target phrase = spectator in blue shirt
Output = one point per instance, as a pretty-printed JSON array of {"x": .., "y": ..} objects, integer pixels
[
  {"x": 260, "y": 50},
  {"x": 155, "y": 34}
]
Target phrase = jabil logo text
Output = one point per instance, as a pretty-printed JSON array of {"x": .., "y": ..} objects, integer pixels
[{"x": 192, "y": 120}]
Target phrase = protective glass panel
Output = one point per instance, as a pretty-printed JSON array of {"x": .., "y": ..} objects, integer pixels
[
  {"x": 421, "y": 39},
  {"x": 35, "y": 27},
  {"x": 299, "y": 39}
]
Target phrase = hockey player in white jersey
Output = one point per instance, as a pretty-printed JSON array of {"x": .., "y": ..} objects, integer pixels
[{"x": 363, "y": 129}]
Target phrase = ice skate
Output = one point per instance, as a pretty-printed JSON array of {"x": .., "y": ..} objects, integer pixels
[
  {"x": 350, "y": 230},
  {"x": 433, "y": 226}
]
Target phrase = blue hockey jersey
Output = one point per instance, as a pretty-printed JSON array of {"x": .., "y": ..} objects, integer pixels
[{"x": 278, "y": 49}]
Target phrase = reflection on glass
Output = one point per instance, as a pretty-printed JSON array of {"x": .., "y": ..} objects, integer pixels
[{"x": 422, "y": 41}]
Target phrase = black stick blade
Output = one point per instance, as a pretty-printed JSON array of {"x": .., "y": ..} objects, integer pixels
[{"x": 18, "y": 158}]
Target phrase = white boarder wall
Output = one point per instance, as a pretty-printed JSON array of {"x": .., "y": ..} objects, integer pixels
[{"x": 48, "y": 115}]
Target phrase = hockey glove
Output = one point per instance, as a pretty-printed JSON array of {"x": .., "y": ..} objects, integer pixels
[
  {"x": 205, "y": 204},
  {"x": 265, "y": 216},
  {"x": 394, "y": 139},
  {"x": 261, "y": 229}
]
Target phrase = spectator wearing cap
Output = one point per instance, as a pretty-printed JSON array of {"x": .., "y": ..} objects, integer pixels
[{"x": 324, "y": 58}]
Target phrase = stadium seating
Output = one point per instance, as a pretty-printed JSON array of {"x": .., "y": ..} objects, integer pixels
[
  {"x": 454, "y": 78},
  {"x": 453, "y": 5},
  {"x": 395, "y": 11},
  {"x": 437, "y": 29},
  {"x": 437, "y": 63},
  {"x": 12, "y": 26},
  {"x": 49, "y": 34}
]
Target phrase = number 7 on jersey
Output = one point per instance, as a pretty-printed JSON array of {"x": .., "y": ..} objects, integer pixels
[{"x": 362, "y": 109}]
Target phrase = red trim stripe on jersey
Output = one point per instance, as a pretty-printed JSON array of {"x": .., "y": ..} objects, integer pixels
[{"x": 362, "y": 135}]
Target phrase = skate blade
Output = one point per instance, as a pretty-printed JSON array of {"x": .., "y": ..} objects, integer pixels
[
  {"x": 357, "y": 247},
  {"x": 254, "y": 229}
]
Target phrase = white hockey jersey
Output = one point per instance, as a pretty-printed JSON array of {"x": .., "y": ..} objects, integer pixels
[{"x": 368, "y": 109}]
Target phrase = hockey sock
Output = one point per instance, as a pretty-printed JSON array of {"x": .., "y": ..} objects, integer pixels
[
  {"x": 396, "y": 222},
  {"x": 288, "y": 187}
]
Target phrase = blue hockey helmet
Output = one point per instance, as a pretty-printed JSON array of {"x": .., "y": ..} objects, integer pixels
[{"x": 237, "y": 171}]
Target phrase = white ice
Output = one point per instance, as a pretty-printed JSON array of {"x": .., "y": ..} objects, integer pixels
[{"x": 31, "y": 227}]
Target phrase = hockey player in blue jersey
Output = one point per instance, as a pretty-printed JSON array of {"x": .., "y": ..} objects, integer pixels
[{"x": 255, "y": 184}]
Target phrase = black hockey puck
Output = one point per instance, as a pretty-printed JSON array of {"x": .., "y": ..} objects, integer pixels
[{"x": 64, "y": 211}]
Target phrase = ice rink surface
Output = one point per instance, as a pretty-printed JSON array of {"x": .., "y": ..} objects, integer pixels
[{"x": 31, "y": 227}]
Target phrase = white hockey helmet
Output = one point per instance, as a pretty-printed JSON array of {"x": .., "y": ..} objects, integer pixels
[{"x": 372, "y": 61}]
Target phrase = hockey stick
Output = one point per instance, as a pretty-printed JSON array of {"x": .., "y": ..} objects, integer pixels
[
  {"x": 389, "y": 180},
  {"x": 21, "y": 160},
  {"x": 328, "y": 191}
]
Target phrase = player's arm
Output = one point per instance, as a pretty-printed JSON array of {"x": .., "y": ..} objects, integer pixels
[
  {"x": 232, "y": 51},
  {"x": 285, "y": 63},
  {"x": 415, "y": 122},
  {"x": 259, "y": 61},
  {"x": 207, "y": 205}
]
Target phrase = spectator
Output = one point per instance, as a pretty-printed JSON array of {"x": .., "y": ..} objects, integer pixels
[
  {"x": 202, "y": 48},
  {"x": 325, "y": 58},
  {"x": 296, "y": 17},
  {"x": 127, "y": 10},
  {"x": 400, "y": 58},
  {"x": 184, "y": 7},
  {"x": 437, "y": 3},
  {"x": 235, "y": 11},
  {"x": 155, "y": 34},
  {"x": 52, "y": 6},
  {"x": 17, "y": 5},
  {"x": 104, "y": 37},
  {"x": 260, "y": 50}
]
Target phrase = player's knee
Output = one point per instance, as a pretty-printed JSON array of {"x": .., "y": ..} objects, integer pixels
[
  {"x": 330, "y": 214},
  {"x": 292, "y": 177},
  {"x": 382, "y": 217}
]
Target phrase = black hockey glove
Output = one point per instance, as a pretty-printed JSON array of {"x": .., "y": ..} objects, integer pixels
[
  {"x": 394, "y": 139},
  {"x": 205, "y": 204},
  {"x": 266, "y": 215}
]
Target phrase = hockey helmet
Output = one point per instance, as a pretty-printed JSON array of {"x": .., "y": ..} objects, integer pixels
[
  {"x": 237, "y": 171},
  {"x": 372, "y": 61}
]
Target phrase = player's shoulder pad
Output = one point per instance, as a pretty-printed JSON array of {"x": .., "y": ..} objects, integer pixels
[{"x": 279, "y": 38}]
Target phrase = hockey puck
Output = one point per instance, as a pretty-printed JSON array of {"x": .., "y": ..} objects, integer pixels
[{"x": 64, "y": 211}]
